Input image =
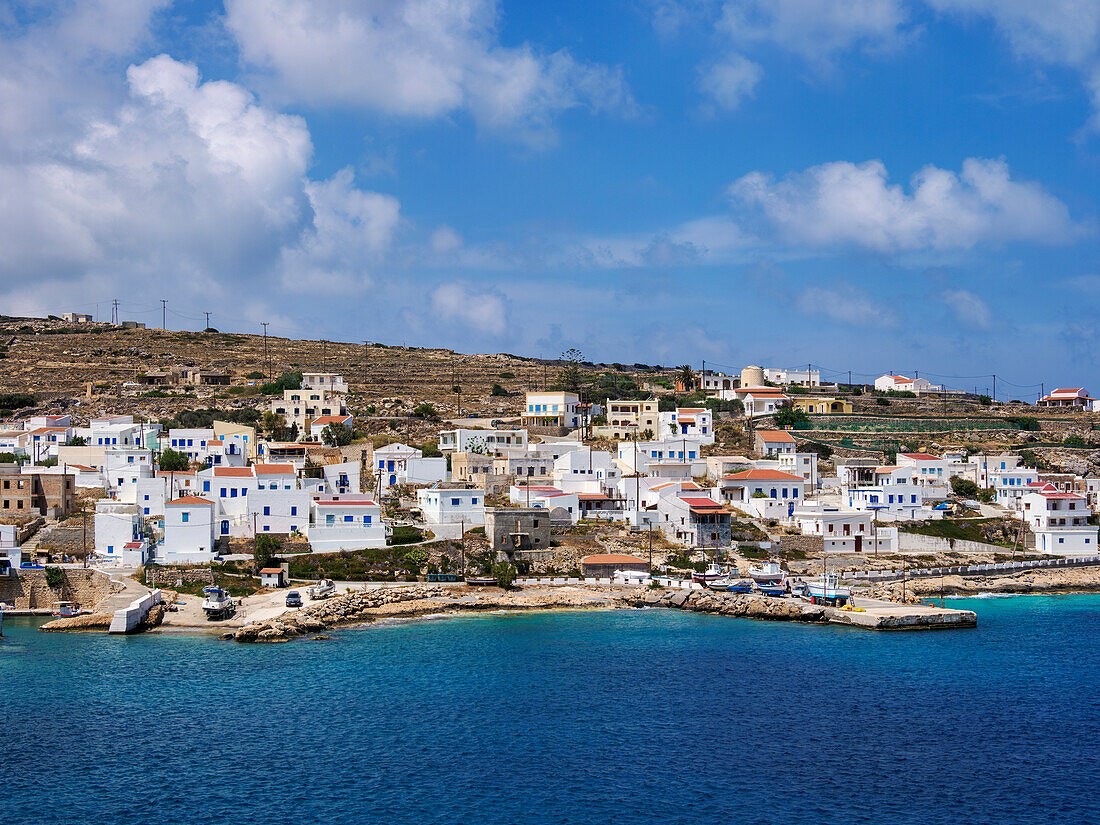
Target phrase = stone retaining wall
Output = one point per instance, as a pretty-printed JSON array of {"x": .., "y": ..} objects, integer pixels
[
  {"x": 802, "y": 544},
  {"x": 165, "y": 576},
  {"x": 28, "y": 590}
]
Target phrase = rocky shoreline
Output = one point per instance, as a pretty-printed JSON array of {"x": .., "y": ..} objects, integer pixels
[{"x": 363, "y": 607}]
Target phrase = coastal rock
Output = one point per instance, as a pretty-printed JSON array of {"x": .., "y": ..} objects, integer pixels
[{"x": 90, "y": 621}]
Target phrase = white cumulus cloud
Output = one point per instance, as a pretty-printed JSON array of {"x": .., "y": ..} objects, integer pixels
[
  {"x": 853, "y": 204},
  {"x": 482, "y": 311},
  {"x": 189, "y": 188},
  {"x": 967, "y": 307},
  {"x": 420, "y": 58},
  {"x": 730, "y": 80},
  {"x": 845, "y": 303}
]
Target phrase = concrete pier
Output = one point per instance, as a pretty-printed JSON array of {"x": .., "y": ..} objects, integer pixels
[{"x": 872, "y": 615}]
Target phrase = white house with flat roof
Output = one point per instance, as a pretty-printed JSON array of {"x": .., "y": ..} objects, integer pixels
[
  {"x": 694, "y": 422},
  {"x": 188, "y": 531},
  {"x": 352, "y": 522},
  {"x": 117, "y": 524},
  {"x": 485, "y": 442},
  {"x": 552, "y": 409},
  {"x": 1059, "y": 522},
  {"x": 451, "y": 504}
]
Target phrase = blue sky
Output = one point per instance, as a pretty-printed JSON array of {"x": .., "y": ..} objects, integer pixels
[{"x": 867, "y": 185}]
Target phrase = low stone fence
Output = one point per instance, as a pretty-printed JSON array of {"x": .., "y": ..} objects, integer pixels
[
  {"x": 126, "y": 619},
  {"x": 935, "y": 544},
  {"x": 999, "y": 568},
  {"x": 170, "y": 576}
]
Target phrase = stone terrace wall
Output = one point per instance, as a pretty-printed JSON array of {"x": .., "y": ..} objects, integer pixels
[
  {"x": 804, "y": 544},
  {"x": 28, "y": 590}
]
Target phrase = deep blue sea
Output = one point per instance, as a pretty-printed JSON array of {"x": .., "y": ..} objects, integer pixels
[{"x": 575, "y": 717}]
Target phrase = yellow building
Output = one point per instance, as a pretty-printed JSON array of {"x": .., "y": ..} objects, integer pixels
[{"x": 817, "y": 405}]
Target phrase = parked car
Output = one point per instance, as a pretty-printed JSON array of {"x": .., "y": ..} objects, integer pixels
[{"x": 293, "y": 599}]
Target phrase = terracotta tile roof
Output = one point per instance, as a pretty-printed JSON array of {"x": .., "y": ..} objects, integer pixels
[
  {"x": 233, "y": 472},
  {"x": 702, "y": 503},
  {"x": 1045, "y": 494},
  {"x": 612, "y": 558},
  {"x": 272, "y": 571},
  {"x": 273, "y": 469},
  {"x": 921, "y": 456},
  {"x": 592, "y": 497},
  {"x": 346, "y": 502},
  {"x": 331, "y": 419},
  {"x": 762, "y": 475},
  {"x": 191, "y": 500},
  {"x": 776, "y": 435}
]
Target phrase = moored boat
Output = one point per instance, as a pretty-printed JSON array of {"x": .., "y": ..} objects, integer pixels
[
  {"x": 741, "y": 586},
  {"x": 217, "y": 603},
  {"x": 770, "y": 572},
  {"x": 828, "y": 590},
  {"x": 481, "y": 581},
  {"x": 64, "y": 609},
  {"x": 712, "y": 572}
]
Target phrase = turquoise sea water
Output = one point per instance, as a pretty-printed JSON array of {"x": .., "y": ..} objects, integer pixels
[{"x": 626, "y": 716}]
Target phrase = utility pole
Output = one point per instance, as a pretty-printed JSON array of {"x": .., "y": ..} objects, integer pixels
[
  {"x": 849, "y": 380},
  {"x": 994, "y": 386},
  {"x": 365, "y": 362},
  {"x": 163, "y": 313},
  {"x": 114, "y": 312},
  {"x": 207, "y": 320},
  {"x": 267, "y": 365}
]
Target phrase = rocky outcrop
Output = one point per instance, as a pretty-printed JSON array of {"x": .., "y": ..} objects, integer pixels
[
  {"x": 749, "y": 606},
  {"x": 355, "y": 607},
  {"x": 282, "y": 629},
  {"x": 89, "y": 621}
]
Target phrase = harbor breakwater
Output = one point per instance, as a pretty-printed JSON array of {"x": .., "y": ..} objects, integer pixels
[
  {"x": 361, "y": 607},
  {"x": 872, "y": 614}
]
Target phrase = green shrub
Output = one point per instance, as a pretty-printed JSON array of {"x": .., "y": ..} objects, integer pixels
[
  {"x": 505, "y": 574},
  {"x": 55, "y": 578},
  {"x": 964, "y": 487},
  {"x": 286, "y": 381}
]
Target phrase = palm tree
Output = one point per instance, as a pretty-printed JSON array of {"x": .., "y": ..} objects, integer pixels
[{"x": 685, "y": 377}]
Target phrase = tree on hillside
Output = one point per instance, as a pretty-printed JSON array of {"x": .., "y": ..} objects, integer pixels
[
  {"x": 788, "y": 416},
  {"x": 571, "y": 378},
  {"x": 336, "y": 435},
  {"x": 685, "y": 377},
  {"x": 173, "y": 461},
  {"x": 265, "y": 549}
]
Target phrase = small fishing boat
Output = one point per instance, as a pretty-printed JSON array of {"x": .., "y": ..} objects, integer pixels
[
  {"x": 721, "y": 584},
  {"x": 827, "y": 590},
  {"x": 770, "y": 589},
  {"x": 481, "y": 581},
  {"x": 63, "y": 609},
  {"x": 712, "y": 572},
  {"x": 322, "y": 590},
  {"x": 741, "y": 586},
  {"x": 217, "y": 603},
  {"x": 770, "y": 572}
]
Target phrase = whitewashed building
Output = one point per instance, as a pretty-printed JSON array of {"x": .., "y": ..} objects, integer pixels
[
  {"x": 450, "y": 504},
  {"x": 1060, "y": 523},
  {"x": 352, "y": 522},
  {"x": 188, "y": 531}
]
